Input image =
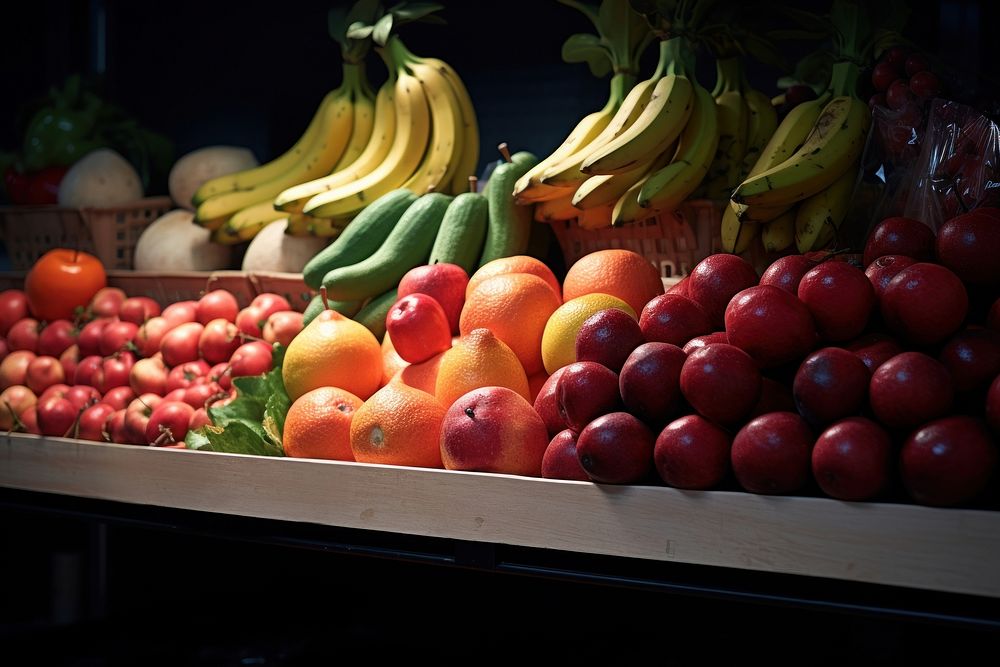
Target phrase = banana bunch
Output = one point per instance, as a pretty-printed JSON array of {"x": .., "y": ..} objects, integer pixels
[
  {"x": 425, "y": 138},
  {"x": 237, "y": 206},
  {"x": 799, "y": 191},
  {"x": 746, "y": 122}
]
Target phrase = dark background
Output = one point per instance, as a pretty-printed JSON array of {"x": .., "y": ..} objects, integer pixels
[{"x": 252, "y": 73}]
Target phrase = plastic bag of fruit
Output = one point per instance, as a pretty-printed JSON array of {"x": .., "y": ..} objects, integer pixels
[{"x": 957, "y": 169}]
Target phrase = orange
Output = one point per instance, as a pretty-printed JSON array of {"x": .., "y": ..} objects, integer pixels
[
  {"x": 536, "y": 382},
  {"x": 559, "y": 337},
  {"x": 333, "y": 351},
  {"x": 398, "y": 425},
  {"x": 422, "y": 376},
  {"x": 621, "y": 273},
  {"x": 514, "y": 264},
  {"x": 392, "y": 363},
  {"x": 318, "y": 425},
  {"x": 479, "y": 359},
  {"x": 515, "y": 307}
]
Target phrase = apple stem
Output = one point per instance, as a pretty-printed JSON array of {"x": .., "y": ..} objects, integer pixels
[
  {"x": 322, "y": 295},
  {"x": 165, "y": 437},
  {"x": 504, "y": 151},
  {"x": 473, "y": 184}
]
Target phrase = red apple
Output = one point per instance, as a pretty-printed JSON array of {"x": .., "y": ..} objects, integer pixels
[
  {"x": 93, "y": 422},
  {"x": 716, "y": 279},
  {"x": 82, "y": 396},
  {"x": 150, "y": 334},
  {"x": 948, "y": 461},
  {"x": 69, "y": 359},
  {"x": 117, "y": 336},
  {"x": 148, "y": 376},
  {"x": 786, "y": 272},
  {"x": 29, "y": 421},
  {"x": 771, "y": 454},
  {"x": 418, "y": 327},
  {"x": 910, "y": 389},
  {"x": 721, "y": 382},
  {"x": 114, "y": 372},
  {"x": 771, "y": 325},
  {"x": 138, "y": 309},
  {"x": 215, "y": 305},
  {"x": 282, "y": 327},
  {"x": 560, "y": 460},
  {"x": 180, "y": 344},
  {"x": 702, "y": 341},
  {"x": 250, "y": 359},
  {"x": 268, "y": 303},
  {"x": 14, "y": 400},
  {"x": 185, "y": 375},
  {"x": 250, "y": 321},
  {"x": 137, "y": 417},
  {"x": 972, "y": 357},
  {"x": 86, "y": 370},
  {"x": 13, "y": 307},
  {"x": 24, "y": 335},
  {"x": 197, "y": 395},
  {"x": 649, "y": 383},
  {"x": 674, "y": 319},
  {"x": 850, "y": 460},
  {"x": 546, "y": 404},
  {"x": 692, "y": 453},
  {"x": 925, "y": 303},
  {"x": 91, "y": 335},
  {"x": 218, "y": 340},
  {"x": 56, "y": 338},
  {"x": 107, "y": 302},
  {"x": 774, "y": 397},
  {"x": 114, "y": 428},
  {"x": 616, "y": 448},
  {"x": 56, "y": 416},
  {"x": 608, "y": 337},
  {"x": 14, "y": 368},
  {"x": 586, "y": 390},
  {"x": 42, "y": 373},
  {"x": 178, "y": 313},
  {"x": 830, "y": 384},
  {"x": 679, "y": 287},
  {"x": 839, "y": 297},
  {"x": 900, "y": 236},
  {"x": 168, "y": 422},
  {"x": 881, "y": 272},
  {"x": 119, "y": 397},
  {"x": 446, "y": 283},
  {"x": 875, "y": 349},
  {"x": 55, "y": 391},
  {"x": 176, "y": 395},
  {"x": 967, "y": 244}
]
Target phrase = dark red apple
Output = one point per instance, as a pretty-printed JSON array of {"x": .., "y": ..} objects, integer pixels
[
  {"x": 93, "y": 420},
  {"x": 692, "y": 453},
  {"x": 168, "y": 423},
  {"x": 771, "y": 325},
  {"x": 616, "y": 448},
  {"x": 830, "y": 384},
  {"x": 649, "y": 383},
  {"x": 972, "y": 356},
  {"x": 716, "y": 279},
  {"x": 585, "y": 391},
  {"x": 910, "y": 389},
  {"x": 772, "y": 453},
  {"x": 546, "y": 404},
  {"x": 82, "y": 396},
  {"x": 674, "y": 319},
  {"x": 884, "y": 269},
  {"x": 993, "y": 406},
  {"x": 608, "y": 337},
  {"x": 925, "y": 303},
  {"x": 968, "y": 244},
  {"x": 119, "y": 397},
  {"x": 679, "y": 287},
  {"x": 702, "y": 341},
  {"x": 114, "y": 428},
  {"x": 786, "y": 272},
  {"x": 850, "y": 459},
  {"x": 560, "y": 460},
  {"x": 56, "y": 416},
  {"x": 948, "y": 461},
  {"x": 89, "y": 338},
  {"x": 721, "y": 382},
  {"x": 900, "y": 236},
  {"x": 840, "y": 299},
  {"x": 875, "y": 349}
]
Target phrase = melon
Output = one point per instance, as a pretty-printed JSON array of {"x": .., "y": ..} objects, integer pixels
[
  {"x": 100, "y": 179},
  {"x": 173, "y": 242},
  {"x": 274, "y": 250},
  {"x": 204, "y": 164}
]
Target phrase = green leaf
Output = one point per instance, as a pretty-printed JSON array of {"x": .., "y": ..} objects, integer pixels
[
  {"x": 365, "y": 11},
  {"x": 198, "y": 439},
  {"x": 239, "y": 437},
  {"x": 414, "y": 11},
  {"x": 380, "y": 33},
  {"x": 587, "y": 8},
  {"x": 359, "y": 30},
  {"x": 587, "y": 48},
  {"x": 765, "y": 52}
]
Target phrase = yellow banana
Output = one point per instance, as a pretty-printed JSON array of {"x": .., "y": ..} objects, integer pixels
[
  {"x": 408, "y": 147},
  {"x": 733, "y": 108},
  {"x": 361, "y": 129},
  {"x": 827, "y": 235},
  {"x": 318, "y": 159},
  {"x": 382, "y": 134},
  {"x": 828, "y": 207},
  {"x": 439, "y": 165},
  {"x": 470, "y": 126},
  {"x": 763, "y": 122},
  {"x": 245, "y": 224},
  {"x": 656, "y": 128},
  {"x": 666, "y": 188},
  {"x": 735, "y": 235},
  {"x": 778, "y": 234},
  {"x": 834, "y": 144},
  {"x": 598, "y": 217},
  {"x": 606, "y": 189},
  {"x": 627, "y": 207},
  {"x": 552, "y": 210}
]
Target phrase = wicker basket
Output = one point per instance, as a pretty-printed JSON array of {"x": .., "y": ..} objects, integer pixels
[
  {"x": 673, "y": 242},
  {"x": 108, "y": 233}
]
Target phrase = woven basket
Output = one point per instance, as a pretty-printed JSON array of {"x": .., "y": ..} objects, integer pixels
[{"x": 108, "y": 233}]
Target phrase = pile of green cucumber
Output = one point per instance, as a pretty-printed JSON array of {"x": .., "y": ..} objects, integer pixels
[{"x": 400, "y": 230}]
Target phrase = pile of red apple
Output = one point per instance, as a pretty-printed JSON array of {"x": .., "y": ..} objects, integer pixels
[
  {"x": 817, "y": 373},
  {"x": 129, "y": 373}
]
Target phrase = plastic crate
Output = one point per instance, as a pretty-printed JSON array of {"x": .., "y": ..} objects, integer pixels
[
  {"x": 108, "y": 233},
  {"x": 674, "y": 242}
]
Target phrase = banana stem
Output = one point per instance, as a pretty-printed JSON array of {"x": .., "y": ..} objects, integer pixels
[
  {"x": 676, "y": 57},
  {"x": 730, "y": 73}
]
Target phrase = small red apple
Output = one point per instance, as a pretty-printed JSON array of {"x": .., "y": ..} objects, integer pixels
[
  {"x": 850, "y": 460},
  {"x": 692, "y": 453},
  {"x": 560, "y": 460},
  {"x": 418, "y": 327}
]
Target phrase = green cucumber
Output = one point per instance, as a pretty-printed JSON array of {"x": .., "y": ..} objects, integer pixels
[
  {"x": 408, "y": 245},
  {"x": 460, "y": 238},
  {"x": 510, "y": 224},
  {"x": 315, "y": 307},
  {"x": 361, "y": 237},
  {"x": 375, "y": 311}
]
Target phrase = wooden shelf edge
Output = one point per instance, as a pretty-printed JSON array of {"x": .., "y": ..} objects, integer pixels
[{"x": 950, "y": 550}]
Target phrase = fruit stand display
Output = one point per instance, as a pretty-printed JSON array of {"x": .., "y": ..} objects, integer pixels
[{"x": 740, "y": 367}]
